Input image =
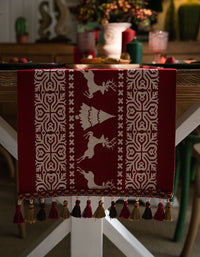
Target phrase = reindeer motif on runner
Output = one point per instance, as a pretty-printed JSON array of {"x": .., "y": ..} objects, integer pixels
[
  {"x": 93, "y": 87},
  {"x": 89, "y": 176},
  {"x": 92, "y": 142}
]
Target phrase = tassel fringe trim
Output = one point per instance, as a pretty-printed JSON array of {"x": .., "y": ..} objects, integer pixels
[{"x": 160, "y": 214}]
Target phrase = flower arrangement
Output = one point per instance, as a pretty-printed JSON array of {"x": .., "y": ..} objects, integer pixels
[
  {"x": 133, "y": 11},
  {"x": 85, "y": 11}
]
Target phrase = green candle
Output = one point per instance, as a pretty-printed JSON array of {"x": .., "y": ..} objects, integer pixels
[{"x": 134, "y": 48}]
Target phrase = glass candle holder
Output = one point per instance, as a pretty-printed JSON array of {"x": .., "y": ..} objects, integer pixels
[
  {"x": 85, "y": 43},
  {"x": 158, "y": 41}
]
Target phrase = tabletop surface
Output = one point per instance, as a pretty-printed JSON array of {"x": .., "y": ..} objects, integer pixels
[{"x": 188, "y": 85}]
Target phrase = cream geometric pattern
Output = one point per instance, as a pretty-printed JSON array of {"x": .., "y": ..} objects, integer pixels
[
  {"x": 141, "y": 129},
  {"x": 50, "y": 130},
  {"x": 137, "y": 109},
  {"x": 120, "y": 135},
  {"x": 71, "y": 115}
]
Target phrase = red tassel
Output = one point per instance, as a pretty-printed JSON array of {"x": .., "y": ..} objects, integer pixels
[
  {"x": 113, "y": 211},
  {"x": 76, "y": 212},
  {"x": 53, "y": 214},
  {"x": 41, "y": 214},
  {"x": 87, "y": 213},
  {"x": 159, "y": 215},
  {"x": 18, "y": 218},
  {"x": 125, "y": 212},
  {"x": 147, "y": 215}
]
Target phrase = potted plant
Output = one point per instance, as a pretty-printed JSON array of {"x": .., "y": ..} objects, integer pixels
[{"x": 21, "y": 28}]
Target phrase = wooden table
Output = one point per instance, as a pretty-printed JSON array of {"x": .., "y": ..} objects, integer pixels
[
  {"x": 188, "y": 85},
  {"x": 188, "y": 95},
  {"x": 188, "y": 118}
]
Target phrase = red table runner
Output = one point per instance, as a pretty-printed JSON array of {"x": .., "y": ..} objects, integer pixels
[{"x": 96, "y": 132}]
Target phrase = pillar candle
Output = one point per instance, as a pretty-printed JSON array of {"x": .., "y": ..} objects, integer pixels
[
  {"x": 134, "y": 48},
  {"x": 127, "y": 36}
]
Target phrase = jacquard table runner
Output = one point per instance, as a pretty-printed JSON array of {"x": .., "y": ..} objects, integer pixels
[{"x": 96, "y": 132}]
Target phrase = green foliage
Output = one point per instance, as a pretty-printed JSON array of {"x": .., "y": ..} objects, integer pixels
[
  {"x": 21, "y": 26},
  {"x": 170, "y": 23},
  {"x": 189, "y": 20}
]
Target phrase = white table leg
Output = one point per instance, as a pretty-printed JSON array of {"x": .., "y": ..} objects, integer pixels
[
  {"x": 51, "y": 240},
  {"x": 86, "y": 233},
  {"x": 123, "y": 239},
  {"x": 188, "y": 121},
  {"x": 8, "y": 138}
]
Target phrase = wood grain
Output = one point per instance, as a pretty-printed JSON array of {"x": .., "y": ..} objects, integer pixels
[
  {"x": 188, "y": 86},
  {"x": 8, "y": 86},
  {"x": 188, "y": 77}
]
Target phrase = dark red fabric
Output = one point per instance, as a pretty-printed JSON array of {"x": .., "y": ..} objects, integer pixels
[{"x": 74, "y": 133}]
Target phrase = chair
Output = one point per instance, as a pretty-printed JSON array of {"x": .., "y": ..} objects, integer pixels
[
  {"x": 195, "y": 217},
  {"x": 185, "y": 168}
]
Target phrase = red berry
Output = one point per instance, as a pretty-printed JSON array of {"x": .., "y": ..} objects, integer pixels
[
  {"x": 23, "y": 60},
  {"x": 171, "y": 59},
  {"x": 14, "y": 60}
]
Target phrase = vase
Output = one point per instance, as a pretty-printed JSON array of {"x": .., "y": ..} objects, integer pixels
[{"x": 112, "y": 34}]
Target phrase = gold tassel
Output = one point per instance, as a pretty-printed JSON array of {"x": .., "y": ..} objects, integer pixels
[
  {"x": 65, "y": 214},
  {"x": 168, "y": 212},
  {"x": 30, "y": 215},
  {"x": 100, "y": 212},
  {"x": 135, "y": 215}
]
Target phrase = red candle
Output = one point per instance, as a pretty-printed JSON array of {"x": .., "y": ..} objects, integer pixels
[
  {"x": 96, "y": 33},
  {"x": 127, "y": 36}
]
